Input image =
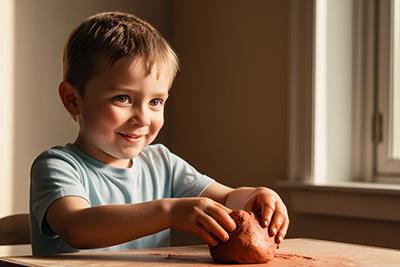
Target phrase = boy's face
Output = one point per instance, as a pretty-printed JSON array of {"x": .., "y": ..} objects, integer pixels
[{"x": 122, "y": 111}]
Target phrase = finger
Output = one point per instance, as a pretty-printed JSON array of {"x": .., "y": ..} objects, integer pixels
[
  {"x": 282, "y": 231},
  {"x": 267, "y": 211},
  {"x": 276, "y": 223},
  {"x": 225, "y": 208},
  {"x": 220, "y": 214},
  {"x": 205, "y": 236},
  {"x": 211, "y": 226}
]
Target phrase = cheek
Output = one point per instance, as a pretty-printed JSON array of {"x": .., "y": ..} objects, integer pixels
[
  {"x": 157, "y": 123},
  {"x": 102, "y": 120}
]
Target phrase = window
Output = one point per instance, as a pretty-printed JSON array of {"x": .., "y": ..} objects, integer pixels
[{"x": 344, "y": 90}]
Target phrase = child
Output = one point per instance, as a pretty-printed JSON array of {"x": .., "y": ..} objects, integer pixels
[{"x": 111, "y": 189}]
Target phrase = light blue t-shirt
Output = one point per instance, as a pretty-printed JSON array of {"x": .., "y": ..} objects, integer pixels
[{"x": 67, "y": 171}]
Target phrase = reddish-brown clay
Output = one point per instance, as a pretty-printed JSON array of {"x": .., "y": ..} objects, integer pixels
[{"x": 249, "y": 243}]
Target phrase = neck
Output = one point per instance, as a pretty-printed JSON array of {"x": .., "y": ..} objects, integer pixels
[{"x": 100, "y": 155}]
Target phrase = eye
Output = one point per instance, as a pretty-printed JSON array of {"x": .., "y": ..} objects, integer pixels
[
  {"x": 156, "y": 102},
  {"x": 123, "y": 99}
]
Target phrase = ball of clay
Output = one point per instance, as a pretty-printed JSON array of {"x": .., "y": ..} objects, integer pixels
[{"x": 249, "y": 243}]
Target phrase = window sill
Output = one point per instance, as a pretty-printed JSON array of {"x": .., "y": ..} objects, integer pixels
[{"x": 349, "y": 199}]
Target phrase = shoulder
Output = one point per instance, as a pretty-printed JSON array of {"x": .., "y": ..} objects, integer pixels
[
  {"x": 60, "y": 152},
  {"x": 56, "y": 156}
]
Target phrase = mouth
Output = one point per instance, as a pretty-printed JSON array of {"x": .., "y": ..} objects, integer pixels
[{"x": 133, "y": 138}]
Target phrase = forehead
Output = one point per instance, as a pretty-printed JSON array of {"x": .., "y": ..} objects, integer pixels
[
  {"x": 130, "y": 69},
  {"x": 129, "y": 72}
]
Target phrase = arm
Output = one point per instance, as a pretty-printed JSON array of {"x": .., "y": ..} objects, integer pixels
[
  {"x": 260, "y": 200},
  {"x": 83, "y": 226}
]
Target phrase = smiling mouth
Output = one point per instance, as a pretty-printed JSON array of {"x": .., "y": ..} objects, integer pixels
[{"x": 130, "y": 137}]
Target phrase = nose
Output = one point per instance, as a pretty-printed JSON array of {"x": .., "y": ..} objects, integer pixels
[{"x": 140, "y": 116}]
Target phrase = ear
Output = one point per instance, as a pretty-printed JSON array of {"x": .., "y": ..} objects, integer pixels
[{"x": 70, "y": 98}]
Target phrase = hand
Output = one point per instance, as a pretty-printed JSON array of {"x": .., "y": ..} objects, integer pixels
[
  {"x": 203, "y": 217},
  {"x": 271, "y": 209}
]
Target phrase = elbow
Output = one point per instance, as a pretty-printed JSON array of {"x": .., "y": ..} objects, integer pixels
[{"x": 75, "y": 238}]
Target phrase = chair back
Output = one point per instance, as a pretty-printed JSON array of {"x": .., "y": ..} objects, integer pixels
[{"x": 15, "y": 230}]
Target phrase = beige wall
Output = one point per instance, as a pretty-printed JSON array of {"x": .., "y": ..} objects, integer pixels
[{"x": 228, "y": 109}]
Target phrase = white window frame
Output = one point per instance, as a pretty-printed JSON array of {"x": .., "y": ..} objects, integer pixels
[
  {"x": 387, "y": 168},
  {"x": 302, "y": 121}
]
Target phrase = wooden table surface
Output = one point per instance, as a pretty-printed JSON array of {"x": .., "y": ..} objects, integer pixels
[{"x": 293, "y": 252}]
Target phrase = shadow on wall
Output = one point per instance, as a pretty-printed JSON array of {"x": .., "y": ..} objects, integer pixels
[
  {"x": 227, "y": 114},
  {"x": 41, "y": 28}
]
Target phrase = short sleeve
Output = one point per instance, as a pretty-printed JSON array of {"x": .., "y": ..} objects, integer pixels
[
  {"x": 53, "y": 176},
  {"x": 186, "y": 180}
]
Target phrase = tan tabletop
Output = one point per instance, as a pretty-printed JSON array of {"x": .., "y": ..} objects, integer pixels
[{"x": 293, "y": 252}]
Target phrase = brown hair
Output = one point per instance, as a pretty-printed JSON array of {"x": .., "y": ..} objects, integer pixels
[{"x": 114, "y": 35}]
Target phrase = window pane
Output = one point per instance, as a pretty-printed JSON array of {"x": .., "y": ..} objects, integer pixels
[{"x": 333, "y": 90}]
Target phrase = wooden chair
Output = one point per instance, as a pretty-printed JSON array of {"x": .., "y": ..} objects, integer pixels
[{"x": 15, "y": 230}]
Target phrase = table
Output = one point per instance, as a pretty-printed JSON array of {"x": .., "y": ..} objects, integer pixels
[{"x": 293, "y": 252}]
